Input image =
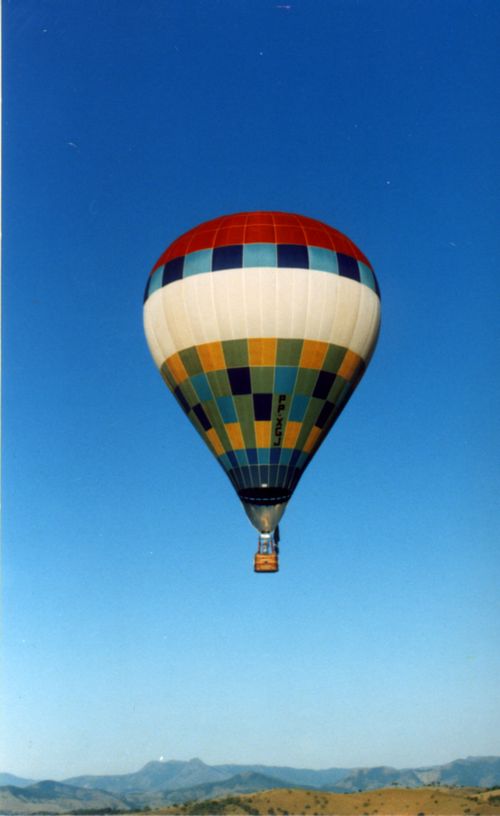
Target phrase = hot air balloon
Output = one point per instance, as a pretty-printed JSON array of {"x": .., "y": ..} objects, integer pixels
[{"x": 262, "y": 325}]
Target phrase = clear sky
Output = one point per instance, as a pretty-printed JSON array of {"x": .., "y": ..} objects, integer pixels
[{"x": 134, "y": 625}]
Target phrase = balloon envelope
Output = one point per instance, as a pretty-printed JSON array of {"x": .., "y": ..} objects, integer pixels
[{"x": 262, "y": 324}]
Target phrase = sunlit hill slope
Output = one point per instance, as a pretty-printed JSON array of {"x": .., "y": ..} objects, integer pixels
[{"x": 430, "y": 801}]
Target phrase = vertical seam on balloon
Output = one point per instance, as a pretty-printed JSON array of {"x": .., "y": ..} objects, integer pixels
[
  {"x": 297, "y": 275},
  {"x": 335, "y": 291},
  {"x": 361, "y": 294},
  {"x": 308, "y": 300},
  {"x": 274, "y": 227},
  {"x": 245, "y": 225},
  {"x": 216, "y": 307},
  {"x": 228, "y": 310},
  {"x": 358, "y": 311},
  {"x": 353, "y": 248},
  {"x": 374, "y": 328},
  {"x": 148, "y": 317},
  {"x": 240, "y": 277},
  {"x": 371, "y": 333},
  {"x": 328, "y": 237},
  {"x": 200, "y": 337},
  {"x": 323, "y": 306},
  {"x": 167, "y": 323},
  {"x": 217, "y": 230},
  {"x": 303, "y": 230},
  {"x": 212, "y": 293},
  {"x": 245, "y": 280},
  {"x": 183, "y": 288},
  {"x": 163, "y": 311}
]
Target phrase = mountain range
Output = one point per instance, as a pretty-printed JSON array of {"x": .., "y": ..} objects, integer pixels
[
  {"x": 172, "y": 775},
  {"x": 161, "y": 783}
]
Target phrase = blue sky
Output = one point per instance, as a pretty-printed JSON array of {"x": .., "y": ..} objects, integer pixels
[{"x": 134, "y": 625}]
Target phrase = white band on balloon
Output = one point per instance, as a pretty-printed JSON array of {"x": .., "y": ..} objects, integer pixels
[{"x": 231, "y": 304}]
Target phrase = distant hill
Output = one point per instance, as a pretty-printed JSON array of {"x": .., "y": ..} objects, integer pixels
[
  {"x": 483, "y": 772},
  {"x": 55, "y": 797},
  {"x": 370, "y": 778},
  {"x": 246, "y": 782},
  {"x": 12, "y": 779},
  {"x": 296, "y": 776},
  {"x": 155, "y": 776}
]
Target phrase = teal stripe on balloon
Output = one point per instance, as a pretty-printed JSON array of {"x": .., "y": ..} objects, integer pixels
[
  {"x": 260, "y": 255},
  {"x": 299, "y": 407},
  {"x": 195, "y": 263},
  {"x": 323, "y": 260},
  {"x": 156, "y": 281},
  {"x": 367, "y": 276},
  {"x": 227, "y": 409},
  {"x": 284, "y": 379},
  {"x": 202, "y": 388}
]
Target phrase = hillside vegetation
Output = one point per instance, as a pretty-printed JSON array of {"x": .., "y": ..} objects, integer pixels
[{"x": 429, "y": 801}]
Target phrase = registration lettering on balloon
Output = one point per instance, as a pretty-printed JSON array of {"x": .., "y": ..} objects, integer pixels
[{"x": 278, "y": 424}]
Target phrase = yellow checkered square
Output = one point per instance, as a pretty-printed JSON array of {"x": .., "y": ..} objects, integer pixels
[
  {"x": 211, "y": 356},
  {"x": 262, "y": 351},
  {"x": 349, "y": 365},
  {"x": 262, "y": 434},
  {"x": 176, "y": 368},
  {"x": 312, "y": 439},
  {"x": 313, "y": 354},
  {"x": 291, "y": 434},
  {"x": 215, "y": 441},
  {"x": 233, "y": 430}
]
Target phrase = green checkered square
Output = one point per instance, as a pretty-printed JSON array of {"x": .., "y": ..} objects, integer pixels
[
  {"x": 262, "y": 379},
  {"x": 333, "y": 359},
  {"x": 288, "y": 352},
  {"x": 191, "y": 361},
  {"x": 336, "y": 389},
  {"x": 167, "y": 377},
  {"x": 189, "y": 393},
  {"x": 235, "y": 353},
  {"x": 306, "y": 380},
  {"x": 245, "y": 412},
  {"x": 219, "y": 383}
]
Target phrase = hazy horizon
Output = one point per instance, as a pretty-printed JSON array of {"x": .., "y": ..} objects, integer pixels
[{"x": 59, "y": 778}]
